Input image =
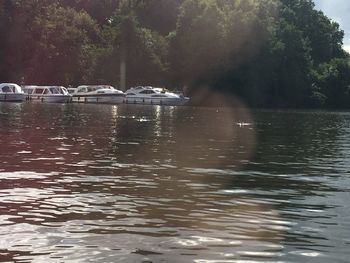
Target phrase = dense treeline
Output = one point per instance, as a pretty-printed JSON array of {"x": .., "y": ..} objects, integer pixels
[{"x": 269, "y": 53}]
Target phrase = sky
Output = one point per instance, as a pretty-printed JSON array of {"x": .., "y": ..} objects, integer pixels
[{"x": 339, "y": 11}]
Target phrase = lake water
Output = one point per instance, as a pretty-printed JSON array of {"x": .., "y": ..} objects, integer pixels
[{"x": 104, "y": 183}]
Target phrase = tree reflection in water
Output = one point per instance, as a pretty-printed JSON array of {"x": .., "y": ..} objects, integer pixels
[{"x": 133, "y": 182}]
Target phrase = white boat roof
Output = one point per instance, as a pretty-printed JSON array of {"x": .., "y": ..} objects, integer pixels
[
  {"x": 85, "y": 86},
  {"x": 140, "y": 88},
  {"x": 15, "y": 87},
  {"x": 41, "y": 87},
  {"x": 8, "y": 84},
  {"x": 92, "y": 88}
]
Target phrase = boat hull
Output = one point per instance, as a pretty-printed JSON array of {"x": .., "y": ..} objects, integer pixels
[
  {"x": 51, "y": 98},
  {"x": 103, "y": 98},
  {"x": 156, "y": 101},
  {"x": 12, "y": 97}
]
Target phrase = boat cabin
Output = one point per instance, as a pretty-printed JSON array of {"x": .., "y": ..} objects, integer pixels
[
  {"x": 10, "y": 88},
  {"x": 45, "y": 90},
  {"x": 93, "y": 88}
]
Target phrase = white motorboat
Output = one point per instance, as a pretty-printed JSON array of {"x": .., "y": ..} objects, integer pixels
[
  {"x": 154, "y": 96},
  {"x": 11, "y": 92},
  {"x": 98, "y": 94},
  {"x": 54, "y": 94},
  {"x": 71, "y": 90}
]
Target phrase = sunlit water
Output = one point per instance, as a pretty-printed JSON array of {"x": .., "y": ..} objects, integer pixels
[{"x": 102, "y": 183}]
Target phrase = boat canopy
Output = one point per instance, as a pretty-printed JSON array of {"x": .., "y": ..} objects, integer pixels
[
  {"x": 39, "y": 90},
  {"x": 91, "y": 88},
  {"x": 10, "y": 88}
]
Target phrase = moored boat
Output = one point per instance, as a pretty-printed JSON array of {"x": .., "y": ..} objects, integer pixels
[
  {"x": 154, "y": 96},
  {"x": 71, "y": 90},
  {"x": 11, "y": 92},
  {"x": 98, "y": 94},
  {"x": 51, "y": 94}
]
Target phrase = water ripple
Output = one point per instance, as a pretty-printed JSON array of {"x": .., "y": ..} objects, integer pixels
[{"x": 153, "y": 184}]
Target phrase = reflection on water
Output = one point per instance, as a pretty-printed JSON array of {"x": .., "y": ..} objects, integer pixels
[{"x": 100, "y": 183}]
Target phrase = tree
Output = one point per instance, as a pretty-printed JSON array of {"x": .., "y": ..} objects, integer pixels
[
  {"x": 270, "y": 53},
  {"x": 49, "y": 44},
  {"x": 324, "y": 35},
  {"x": 142, "y": 50},
  {"x": 6, "y": 15},
  {"x": 99, "y": 10},
  {"x": 332, "y": 80},
  {"x": 208, "y": 47}
]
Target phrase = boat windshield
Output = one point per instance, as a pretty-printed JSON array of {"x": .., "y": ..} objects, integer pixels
[
  {"x": 104, "y": 87},
  {"x": 39, "y": 91},
  {"x": 147, "y": 91},
  {"x": 92, "y": 88},
  {"x": 6, "y": 89},
  {"x": 63, "y": 90},
  {"x": 29, "y": 90},
  {"x": 82, "y": 89},
  {"x": 54, "y": 90},
  {"x": 161, "y": 90}
]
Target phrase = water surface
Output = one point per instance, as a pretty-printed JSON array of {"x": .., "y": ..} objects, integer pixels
[{"x": 104, "y": 183}]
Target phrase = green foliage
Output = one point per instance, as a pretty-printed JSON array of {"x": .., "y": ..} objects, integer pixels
[
  {"x": 47, "y": 43},
  {"x": 144, "y": 50},
  {"x": 333, "y": 81},
  {"x": 270, "y": 53}
]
